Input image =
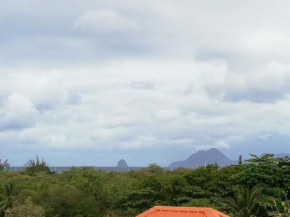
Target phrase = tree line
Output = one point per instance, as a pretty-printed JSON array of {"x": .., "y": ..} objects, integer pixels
[{"x": 257, "y": 187}]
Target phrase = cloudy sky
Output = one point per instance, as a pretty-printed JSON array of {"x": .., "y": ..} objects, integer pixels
[{"x": 91, "y": 82}]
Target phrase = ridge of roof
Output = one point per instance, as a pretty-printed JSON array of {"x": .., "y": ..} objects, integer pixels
[{"x": 167, "y": 211}]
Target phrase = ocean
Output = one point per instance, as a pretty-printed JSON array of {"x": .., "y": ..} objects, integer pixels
[{"x": 106, "y": 169}]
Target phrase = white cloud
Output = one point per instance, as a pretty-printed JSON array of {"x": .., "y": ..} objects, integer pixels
[
  {"x": 107, "y": 77},
  {"x": 18, "y": 112},
  {"x": 265, "y": 136},
  {"x": 222, "y": 144},
  {"x": 103, "y": 21},
  {"x": 265, "y": 84},
  {"x": 18, "y": 103}
]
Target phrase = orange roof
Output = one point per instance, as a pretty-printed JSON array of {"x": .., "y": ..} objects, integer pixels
[{"x": 171, "y": 211}]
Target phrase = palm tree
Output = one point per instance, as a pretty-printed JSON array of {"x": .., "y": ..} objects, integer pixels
[
  {"x": 245, "y": 201},
  {"x": 11, "y": 191}
]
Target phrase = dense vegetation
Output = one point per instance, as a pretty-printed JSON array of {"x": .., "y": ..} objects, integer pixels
[{"x": 259, "y": 187}]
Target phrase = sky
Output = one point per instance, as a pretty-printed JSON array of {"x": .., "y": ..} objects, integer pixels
[{"x": 91, "y": 82}]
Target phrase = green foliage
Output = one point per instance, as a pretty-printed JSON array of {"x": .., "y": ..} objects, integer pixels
[
  {"x": 281, "y": 208},
  {"x": 4, "y": 166},
  {"x": 9, "y": 195},
  {"x": 201, "y": 202},
  {"x": 27, "y": 209},
  {"x": 35, "y": 166},
  {"x": 245, "y": 202},
  {"x": 154, "y": 168},
  {"x": 268, "y": 172},
  {"x": 204, "y": 181},
  {"x": 240, "y": 161},
  {"x": 85, "y": 192}
]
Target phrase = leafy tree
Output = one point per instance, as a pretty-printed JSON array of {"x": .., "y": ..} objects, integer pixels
[
  {"x": 266, "y": 171},
  {"x": 245, "y": 202},
  {"x": 66, "y": 201},
  {"x": 117, "y": 188},
  {"x": 85, "y": 192},
  {"x": 4, "y": 166},
  {"x": 180, "y": 191},
  {"x": 11, "y": 192},
  {"x": 204, "y": 181},
  {"x": 202, "y": 202},
  {"x": 27, "y": 209},
  {"x": 240, "y": 161},
  {"x": 151, "y": 191},
  {"x": 78, "y": 192},
  {"x": 155, "y": 168},
  {"x": 34, "y": 166},
  {"x": 281, "y": 208}
]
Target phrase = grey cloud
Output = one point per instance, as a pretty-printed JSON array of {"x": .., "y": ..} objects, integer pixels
[
  {"x": 222, "y": 52},
  {"x": 251, "y": 94},
  {"x": 74, "y": 99},
  {"x": 96, "y": 32},
  {"x": 142, "y": 85},
  {"x": 267, "y": 85},
  {"x": 115, "y": 117},
  {"x": 105, "y": 77},
  {"x": 16, "y": 124},
  {"x": 103, "y": 21}
]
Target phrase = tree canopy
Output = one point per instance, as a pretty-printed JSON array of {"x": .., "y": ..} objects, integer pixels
[{"x": 258, "y": 187}]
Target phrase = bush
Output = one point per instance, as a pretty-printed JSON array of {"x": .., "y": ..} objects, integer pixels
[
  {"x": 28, "y": 209},
  {"x": 36, "y": 166}
]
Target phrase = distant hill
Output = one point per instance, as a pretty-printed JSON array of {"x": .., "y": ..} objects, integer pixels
[
  {"x": 198, "y": 159},
  {"x": 122, "y": 163}
]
